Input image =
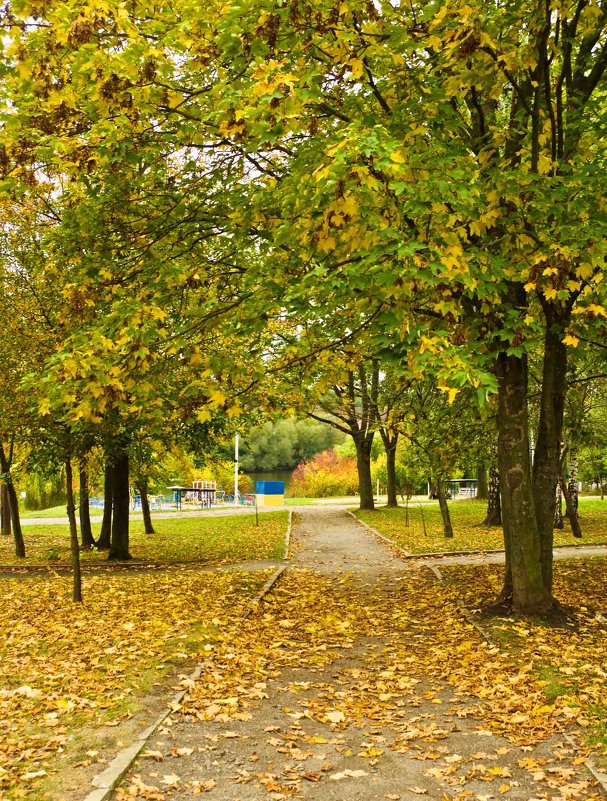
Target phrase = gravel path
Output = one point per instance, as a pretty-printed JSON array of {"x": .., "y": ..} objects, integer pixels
[{"x": 282, "y": 749}]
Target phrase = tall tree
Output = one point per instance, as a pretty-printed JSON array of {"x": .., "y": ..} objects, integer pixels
[{"x": 351, "y": 407}]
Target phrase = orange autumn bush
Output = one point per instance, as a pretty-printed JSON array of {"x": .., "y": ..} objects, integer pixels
[{"x": 326, "y": 475}]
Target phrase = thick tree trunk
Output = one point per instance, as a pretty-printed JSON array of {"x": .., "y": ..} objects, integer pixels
[
  {"x": 74, "y": 547},
  {"x": 5, "y": 512},
  {"x": 119, "y": 548},
  {"x": 523, "y": 580},
  {"x": 142, "y": 488},
  {"x": 546, "y": 463},
  {"x": 390, "y": 448},
  {"x": 363, "y": 465},
  {"x": 105, "y": 535},
  {"x": 558, "y": 509},
  {"x": 494, "y": 506},
  {"x": 482, "y": 489},
  {"x": 444, "y": 508},
  {"x": 86, "y": 532}
]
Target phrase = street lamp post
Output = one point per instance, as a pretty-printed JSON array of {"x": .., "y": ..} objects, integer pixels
[{"x": 236, "y": 470}]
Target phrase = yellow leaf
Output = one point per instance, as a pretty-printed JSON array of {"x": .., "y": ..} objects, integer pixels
[{"x": 451, "y": 391}]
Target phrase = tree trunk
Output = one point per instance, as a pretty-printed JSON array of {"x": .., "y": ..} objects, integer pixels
[
  {"x": 5, "y": 512},
  {"x": 363, "y": 466},
  {"x": 105, "y": 535},
  {"x": 572, "y": 515},
  {"x": 494, "y": 506},
  {"x": 390, "y": 448},
  {"x": 119, "y": 548},
  {"x": 74, "y": 547},
  {"x": 546, "y": 463},
  {"x": 524, "y": 581},
  {"x": 573, "y": 483},
  {"x": 142, "y": 488},
  {"x": 86, "y": 532},
  {"x": 444, "y": 508},
  {"x": 13, "y": 502},
  {"x": 558, "y": 509},
  {"x": 482, "y": 490}
]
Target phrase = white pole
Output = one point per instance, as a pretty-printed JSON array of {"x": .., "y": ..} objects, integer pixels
[
  {"x": 377, "y": 490},
  {"x": 236, "y": 470}
]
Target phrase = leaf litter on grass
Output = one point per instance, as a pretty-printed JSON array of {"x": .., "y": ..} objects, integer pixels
[
  {"x": 65, "y": 666},
  {"x": 425, "y": 534},
  {"x": 210, "y": 539},
  {"x": 362, "y": 677}
]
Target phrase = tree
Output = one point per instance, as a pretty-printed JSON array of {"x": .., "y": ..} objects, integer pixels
[
  {"x": 463, "y": 132},
  {"x": 351, "y": 407},
  {"x": 434, "y": 169},
  {"x": 281, "y": 444}
]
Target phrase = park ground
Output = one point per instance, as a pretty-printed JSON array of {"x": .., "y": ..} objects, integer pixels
[{"x": 359, "y": 675}]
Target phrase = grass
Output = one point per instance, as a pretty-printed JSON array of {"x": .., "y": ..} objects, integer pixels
[
  {"x": 53, "y": 511},
  {"x": 211, "y": 539},
  {"x": 300, "y": 501},
  {"x": 469, "y": 533},
  {"x": 568, "y": 658},
  {"x": 70, "y": 668}
]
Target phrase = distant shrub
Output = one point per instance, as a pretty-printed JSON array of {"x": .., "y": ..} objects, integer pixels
[{"x": 325, "y": 476}]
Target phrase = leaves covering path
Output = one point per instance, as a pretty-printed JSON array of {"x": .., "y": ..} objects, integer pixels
[{"x": 361, "y": 678}]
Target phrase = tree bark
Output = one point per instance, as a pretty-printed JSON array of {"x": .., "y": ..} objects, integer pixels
[
  {"x": 482, "y": 489},
  {"x": 444, "y": 508},
  {"x": 390, "y": 444},
  {"x": 572, "y": 514},
  {"x": 5, "y": 512},
  {"x": 558, "y": 509},
  {"x": 119, "y": 548},
  {"x": 546, "y": 463},
  {"x": 13, "y": 501},
  {"x": 86, "y": 532},
  {"x": 363, "y": 466},
  {"x": 494, "y": 506},
  {"x": 74, "y": 547},
  {"x": 524, "y": 581},
  {"x": 105, "y": 535},
  {"x": 573, "y": 482},
  {"x": 142, "y": 488}
]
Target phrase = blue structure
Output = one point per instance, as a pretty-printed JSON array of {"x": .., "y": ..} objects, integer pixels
[{"x": 270, "y": 493}]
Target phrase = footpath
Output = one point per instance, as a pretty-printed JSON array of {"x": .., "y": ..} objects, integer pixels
[{"x": 335, "y": 688}]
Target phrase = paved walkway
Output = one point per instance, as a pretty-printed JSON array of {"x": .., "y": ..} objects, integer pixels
[
  {"x": 413, "y": 738},
  {"x": 581, "y": 551}
]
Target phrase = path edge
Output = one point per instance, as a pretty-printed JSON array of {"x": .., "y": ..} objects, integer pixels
[
  {"x": 592, "y": 767},
  {"x": 377, "y": 534},
  {"x": 105, "y": 783}
]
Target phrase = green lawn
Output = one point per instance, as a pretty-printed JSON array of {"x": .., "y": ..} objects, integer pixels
[
  {"x": 213, "y": 539},
  {"x": 469, "y": 533}
]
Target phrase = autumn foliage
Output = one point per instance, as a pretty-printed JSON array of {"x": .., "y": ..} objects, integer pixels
[{"x": 326, "y": 475}]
